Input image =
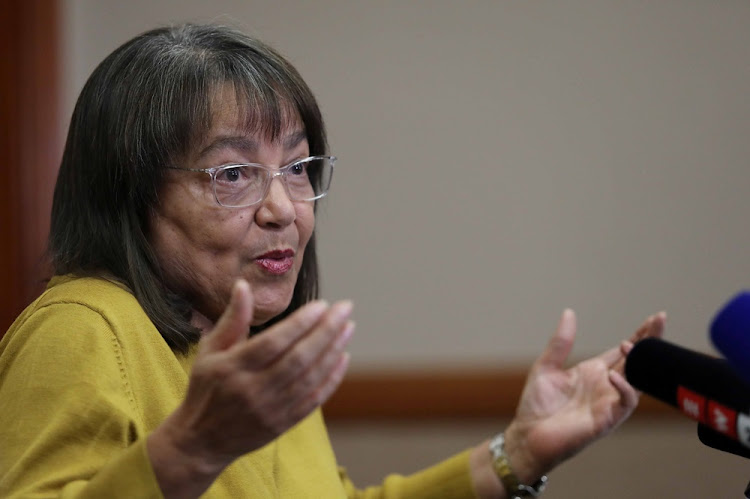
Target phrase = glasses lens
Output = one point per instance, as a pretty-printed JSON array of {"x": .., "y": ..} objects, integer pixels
[
  {"x": 244, "y": 185},
  {"x": 309, "y": 179},
  {"x": 239, "y": 185}
]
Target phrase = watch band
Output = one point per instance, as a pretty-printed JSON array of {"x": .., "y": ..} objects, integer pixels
[{"x": 501, "y": 464}]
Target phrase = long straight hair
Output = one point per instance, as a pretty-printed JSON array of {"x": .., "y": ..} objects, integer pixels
[{"x": 141, "y": 110}]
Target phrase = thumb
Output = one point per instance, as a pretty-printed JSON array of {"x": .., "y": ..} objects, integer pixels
[
  {"x": 560, "y": 345},
  {"x": 234, "y": 323}
]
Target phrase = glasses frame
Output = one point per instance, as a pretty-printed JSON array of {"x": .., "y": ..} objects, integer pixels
[{"x": 272, "y": 173}]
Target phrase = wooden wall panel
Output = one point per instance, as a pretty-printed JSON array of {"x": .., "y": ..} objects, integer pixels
[
  {"x": 29, "y": 146},
  {"x": 459, "y": 394}
]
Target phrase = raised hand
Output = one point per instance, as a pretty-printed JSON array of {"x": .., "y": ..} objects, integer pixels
[
  {"x": 243, "y": 393},
  {"x": 563, "y": 410}
]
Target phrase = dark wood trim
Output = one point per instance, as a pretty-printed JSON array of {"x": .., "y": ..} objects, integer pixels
[
  {"x": 421, "y": 395},
  {"x": 29, "y": 146}
]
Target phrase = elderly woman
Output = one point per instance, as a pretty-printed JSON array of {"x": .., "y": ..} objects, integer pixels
[{"x": 180, "y": 349}]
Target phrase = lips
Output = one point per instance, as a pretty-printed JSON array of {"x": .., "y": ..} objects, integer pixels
[{"x": 276, "y": 262}]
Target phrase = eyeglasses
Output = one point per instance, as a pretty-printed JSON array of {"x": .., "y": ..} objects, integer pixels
[{"x": 246, "y": 184}]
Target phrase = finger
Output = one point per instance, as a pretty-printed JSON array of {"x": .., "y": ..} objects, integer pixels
[
  {"x": 325, "y": 390},
  {"x": 628, "y": 395},
  {"x": 266, "y": 348},
  {"x": 653, "y": 327},
  {"x": 560, "y": 345},
  {"x": 625, "y": 347},
  {"x": 321, "y": 368},
  {"x": 333, "y": 381},
  {"x": 612, "y": 356},
  {"x": 658, "y": 325},
  {"x": 620, "y": 356},
  {"x": 234, "y": 323},
  {"x": 642, "y": 332},
  {"x": 619, "y": 365},
  {"x": 306, "y": 352}
]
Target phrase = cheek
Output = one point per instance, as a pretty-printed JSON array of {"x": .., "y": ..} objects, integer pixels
[
  {"x": 305, "y": 223},
  {"x": 196, "y": 239},
  {"x": 203, "y": 235}
]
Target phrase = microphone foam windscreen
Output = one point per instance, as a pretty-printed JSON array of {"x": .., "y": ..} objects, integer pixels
[{"x": 730, "y": 333}]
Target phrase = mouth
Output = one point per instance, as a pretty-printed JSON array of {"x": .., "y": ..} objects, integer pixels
[{"x": 276, "y": 262}]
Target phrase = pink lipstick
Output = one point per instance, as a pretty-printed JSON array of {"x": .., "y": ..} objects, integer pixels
[{"x": 276, "y": 262}]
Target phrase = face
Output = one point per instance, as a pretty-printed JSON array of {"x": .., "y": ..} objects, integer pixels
[{"x": 203, "y": 247}]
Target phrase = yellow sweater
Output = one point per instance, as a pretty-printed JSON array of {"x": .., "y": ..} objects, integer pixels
[{"x": 84, "y": 378}]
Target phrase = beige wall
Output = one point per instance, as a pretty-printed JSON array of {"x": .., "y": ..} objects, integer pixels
[
  {"x": 502, "y": 160},
  {"x": 654, "y": 460}
]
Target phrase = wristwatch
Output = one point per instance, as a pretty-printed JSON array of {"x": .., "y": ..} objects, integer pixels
[{"x": 501, "y": 464}]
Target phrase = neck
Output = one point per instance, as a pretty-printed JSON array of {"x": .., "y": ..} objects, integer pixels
[{"x": 201, "y": 322}]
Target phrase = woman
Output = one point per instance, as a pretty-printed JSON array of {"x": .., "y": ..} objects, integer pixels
[{"x": 183, "y": 220}]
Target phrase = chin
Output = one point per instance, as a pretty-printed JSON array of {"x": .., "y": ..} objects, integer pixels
[
  {"x": 266, "y": 312},
  {"x": 271, "y": 299}
]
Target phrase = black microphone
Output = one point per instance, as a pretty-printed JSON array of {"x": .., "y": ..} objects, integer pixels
[
  {"x": 719, "y": 441},
  {"x": 704, "y": 388}
]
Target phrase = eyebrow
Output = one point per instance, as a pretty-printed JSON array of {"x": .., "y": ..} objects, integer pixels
[
  {"x": 239, "y": 143},
  {"x": 294, "y": 139},
  {"x": 248, "y": 145}
]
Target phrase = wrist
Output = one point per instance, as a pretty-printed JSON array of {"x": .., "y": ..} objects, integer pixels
[
  {"x": 526, "y": 465},
  {"x": 514, "y": 486},
  {"x": 183, "y": 467}
]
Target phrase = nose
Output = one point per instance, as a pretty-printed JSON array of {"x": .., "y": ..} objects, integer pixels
[{"x": 277, "y": 209}]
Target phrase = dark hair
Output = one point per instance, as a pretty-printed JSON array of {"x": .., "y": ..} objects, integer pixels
[{"x": 142, "y": 109}]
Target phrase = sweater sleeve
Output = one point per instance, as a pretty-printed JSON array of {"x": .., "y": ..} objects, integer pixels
[
  {"x": 446, "y": 480},
  {"x": 69, "y": 424}
]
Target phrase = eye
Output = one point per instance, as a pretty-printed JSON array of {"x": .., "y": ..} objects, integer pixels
[
  {"x": 230, "y": 175},
  {"x": 298, "y": 169}
]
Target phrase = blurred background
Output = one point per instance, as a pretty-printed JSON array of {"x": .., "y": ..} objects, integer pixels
[{"x": 498, "y": 162}]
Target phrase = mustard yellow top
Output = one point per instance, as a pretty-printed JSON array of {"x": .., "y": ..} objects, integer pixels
[{"x": 85, "y": 376}]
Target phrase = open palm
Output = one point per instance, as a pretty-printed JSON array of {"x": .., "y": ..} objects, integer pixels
[{"x": 563, "y": 410}]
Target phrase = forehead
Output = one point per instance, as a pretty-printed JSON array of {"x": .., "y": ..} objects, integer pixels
[{"x": 276, "y": 122}]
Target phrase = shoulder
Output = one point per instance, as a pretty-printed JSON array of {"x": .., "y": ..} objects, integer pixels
[
  {"x": 76, "y": 313},
  {"x": 110, "y": 300},
  {"x": 93, "y": 292},
  {"x": 67, "y": 342}
]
